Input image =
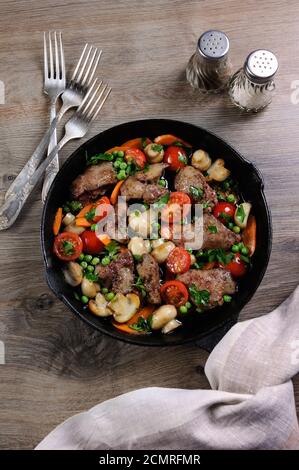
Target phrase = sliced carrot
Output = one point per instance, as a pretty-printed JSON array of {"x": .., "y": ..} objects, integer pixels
[
  {"x": 104, "y": 238},
  {"x": 137, "y": 143},
  {"x": 208, "y": 266},
  {"x": 145, "y": 312},
  {"x": 57, "y": 221},
  {"x": 169, "y": 139},
  {"x": 84, "y": 211},
  {"x": 115, "y": 192},
  {"x": 116, "y": 149},
  {"x": 82, "y": 222},
  {"x": 249, "y": 235}
]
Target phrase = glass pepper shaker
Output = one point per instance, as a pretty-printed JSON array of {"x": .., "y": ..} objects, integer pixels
[
  {"x": 208, "y": 68},
  {"x": 251, "y": 88}
]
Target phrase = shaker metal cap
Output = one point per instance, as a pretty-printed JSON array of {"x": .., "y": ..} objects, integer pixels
[
  {"x": 213, "y": 44},
  {"x": 260, "y": 66}
]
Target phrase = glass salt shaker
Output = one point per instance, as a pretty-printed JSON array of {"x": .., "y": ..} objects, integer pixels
[
  {"x": 208, "y": 68},
  {"x": 251, "y": 88}
]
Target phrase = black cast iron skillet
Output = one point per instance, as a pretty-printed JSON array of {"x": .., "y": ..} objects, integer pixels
[{"x": 206, "y": 328}]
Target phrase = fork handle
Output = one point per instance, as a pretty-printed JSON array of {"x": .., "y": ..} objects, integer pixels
[
  {"x": 14, "y": 203},
  {"x": 53, "y": 167},
  {"x": 33, "y": 162}
]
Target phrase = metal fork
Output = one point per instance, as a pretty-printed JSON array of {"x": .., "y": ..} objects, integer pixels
[
  {"x": 72, "y": 97},
  {"x": 75, "y": 128},
  {"x": 54, "y": 86}
]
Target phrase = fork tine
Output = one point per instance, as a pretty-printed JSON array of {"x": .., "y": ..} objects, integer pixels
[
  {"x": 102, "y": 103},
  {"x": 79, "y": 63},
  {"x": 62, "y": 68},
  {"x": 78, "y": 79},
  {"x": 51, "y": 56},
  {"x": 88, "y": 94},
  {"x": 92, "y": 67},
  {"x": 90, "y": 112},
  {"x": 46, "y": 71},
  {"x": 85, "y": 112},
  {"x": 57, "y": 64}
]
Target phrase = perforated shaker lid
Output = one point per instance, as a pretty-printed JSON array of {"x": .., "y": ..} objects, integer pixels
[
  {"x": 261, "y": 66},
  {"x": 213, "y": 44}
]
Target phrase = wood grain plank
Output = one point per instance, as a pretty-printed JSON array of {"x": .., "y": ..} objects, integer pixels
[{"x": 55, "y": 365}]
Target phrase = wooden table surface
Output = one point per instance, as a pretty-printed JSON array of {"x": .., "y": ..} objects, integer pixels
[{"x": 55, "y": 365}]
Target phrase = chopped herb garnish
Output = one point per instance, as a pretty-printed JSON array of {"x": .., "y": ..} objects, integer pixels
[
  {"x": 157, "y": 147},
  {"x": 162, "y": 201},
  {"x": 212, "y": 228},
  {"x": 90, "y": 214},
  {"x": 206, "y": 205},
  {"x": 217, "y": 254},
  {"x": 142, "y": 324},
  {"x": 225, "y": 216},
  {"x": 112, "y": 248},
  {"x": 183, "y": 159},
  {"x": 68, "y": 248},
  {"x": 196, "y": 192},
  {"x": 221, "y": 197},
  {"x": 200, "y": 297},
  {"x": 137, "y": 258},
  {"x": 100, "y": 157},
  {"x": 72, "y": 206},
  {"x": 140, "y": 286},
  {"x": 143, "y": 142}
]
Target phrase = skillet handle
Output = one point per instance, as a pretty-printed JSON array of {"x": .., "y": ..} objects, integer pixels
[{"x": 209, "y": 342}]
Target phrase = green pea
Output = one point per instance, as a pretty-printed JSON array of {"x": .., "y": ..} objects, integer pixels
[
  {"x": 115, "y": 153},
  {"x": 162, "y": 183},
  {"x": 230, "y": 225},
  {"x": 117, "y": 164},
  {"x": 93, "y": 227},
  {"x": 105, "y": 261},
  {"x": 183, "y": 309},
  {"x": 105, "y": 290},
  {"x": 90, "y": 269},
  {"x": 231, "y": 198},
  {"x": 109, "y": 296},
  {"x": 188, "y": 305},
  {"x": 123, "y": 165},
  {"x": 244, "y": 250},
  {"x": 95, "y": 261},
  {"x": 236, "y": 229},
  {"x": 235, "y": 248},
  {"x": 121, "y": 175},
  {"x": 87, "y": 258},
  {"x": 81, "y": 257},
  {"x": 84, "y": 299},
  {"x": 227, "y": 298},
  {"x": 121, "y": 153},
  {"x": 83, "y": 264}
]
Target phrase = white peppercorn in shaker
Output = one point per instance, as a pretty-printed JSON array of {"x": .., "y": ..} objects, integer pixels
[
  {"x": 208, "y": 68},
  {"x": 251, "y": 87}
]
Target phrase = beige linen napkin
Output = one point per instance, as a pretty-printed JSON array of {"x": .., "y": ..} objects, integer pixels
[{"x": 251, "y": 404}]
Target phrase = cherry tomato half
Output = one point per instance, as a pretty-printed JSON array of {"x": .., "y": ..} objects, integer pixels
[
  {"x": 174, "y": 293},
  {"x": 68, "y": 246},
  {"x": 102, "y": 209},
  {"x": 91, "y": 244},
  {"x": 177, "y": 208},
  {"x": 137, "y": 155},
  {"x": 224, "y": 211},
  {"x": 176, "y": 157},
  {"x": 236, "y": 267},
  {"x": 178, "y": 261}
]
